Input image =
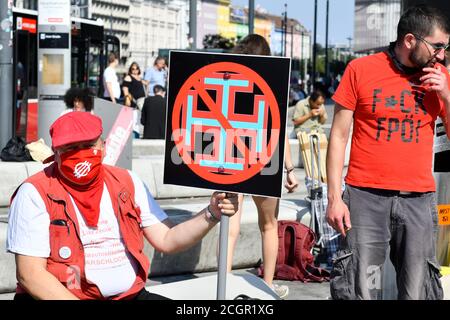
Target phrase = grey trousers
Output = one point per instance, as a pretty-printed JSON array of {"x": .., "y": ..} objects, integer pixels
[{"x": 383, "y": 218}]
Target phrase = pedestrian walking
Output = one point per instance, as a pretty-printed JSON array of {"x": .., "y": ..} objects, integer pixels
[{"x": 110, "y": 80}]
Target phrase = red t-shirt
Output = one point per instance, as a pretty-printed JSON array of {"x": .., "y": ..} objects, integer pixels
[{"x": 393, "y": 127}]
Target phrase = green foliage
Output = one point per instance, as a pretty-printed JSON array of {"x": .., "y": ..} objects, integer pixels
[{"x": 216, "y": 41}]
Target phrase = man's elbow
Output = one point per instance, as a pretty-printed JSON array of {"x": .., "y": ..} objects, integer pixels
[{"x": 27, "y": 276}]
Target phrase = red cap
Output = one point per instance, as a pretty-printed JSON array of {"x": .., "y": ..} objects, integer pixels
[{"x": 75, "y": 126}]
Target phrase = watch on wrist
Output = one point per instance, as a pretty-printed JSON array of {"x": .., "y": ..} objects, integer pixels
[{"x": 211, "y": 217}]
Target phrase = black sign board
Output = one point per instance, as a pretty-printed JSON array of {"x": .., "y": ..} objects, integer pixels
[
  {"x": 441, "y": 149},
  {"x": 53, "y": 40},
  {"x": 226, "y": 122}
]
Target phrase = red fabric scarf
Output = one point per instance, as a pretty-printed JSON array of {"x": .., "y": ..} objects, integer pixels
[{"x": 87, "y": 197}]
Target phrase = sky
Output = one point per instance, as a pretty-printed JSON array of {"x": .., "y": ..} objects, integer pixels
[{"x": 341, "y": 16}]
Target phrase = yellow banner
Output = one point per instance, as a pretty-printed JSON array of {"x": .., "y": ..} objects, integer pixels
[{"x": 444, "y": 214}]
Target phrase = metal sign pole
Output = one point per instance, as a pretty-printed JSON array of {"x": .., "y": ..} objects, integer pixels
[{"x": 223, "y": 252}]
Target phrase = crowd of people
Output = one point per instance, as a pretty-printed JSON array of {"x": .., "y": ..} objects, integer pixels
[
  {"x": 66, "y": 216},
  {"x": 138, "y": 91}
]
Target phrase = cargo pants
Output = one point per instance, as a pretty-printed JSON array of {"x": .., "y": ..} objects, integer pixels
[{"x": 405, "y": 222}]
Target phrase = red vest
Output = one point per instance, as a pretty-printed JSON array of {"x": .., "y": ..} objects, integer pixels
[{"x": 70, "y": 272}]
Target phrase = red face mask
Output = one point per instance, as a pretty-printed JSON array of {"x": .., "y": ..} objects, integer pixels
[{"x": 81, "y": 166}]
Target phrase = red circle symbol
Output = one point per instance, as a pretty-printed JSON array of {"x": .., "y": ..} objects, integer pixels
[{"x": 228, "y": 70}]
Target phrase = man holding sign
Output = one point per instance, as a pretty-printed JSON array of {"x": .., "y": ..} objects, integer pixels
[{"x": 77, "y": 228}]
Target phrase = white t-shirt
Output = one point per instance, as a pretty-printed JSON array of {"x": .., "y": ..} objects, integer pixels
[
  {"x": 107, "y": 263},
  {"x": 109, "y": 75}
]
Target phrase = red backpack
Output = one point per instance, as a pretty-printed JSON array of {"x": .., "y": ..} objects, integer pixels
[{"x": 295, "y": 261}]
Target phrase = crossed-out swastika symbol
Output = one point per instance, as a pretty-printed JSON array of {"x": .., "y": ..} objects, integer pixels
[{"x": 226, "y": 125}]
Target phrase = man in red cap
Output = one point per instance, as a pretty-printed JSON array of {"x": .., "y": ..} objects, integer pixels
[{"x": 77, "y": 227}]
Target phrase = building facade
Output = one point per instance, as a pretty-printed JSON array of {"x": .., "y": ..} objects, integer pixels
[
  {"x": 207, "y": 12},
  {"x": 298, "y": 39},
  {"x": 219, "y": 17},
  {"x": 26, "y": 4},
  {"x": 145, "y": 26},
  {"x": 157, "y": 25},
  {"x": 116, "y": 16},
  {"x": 375, "y": 24}
]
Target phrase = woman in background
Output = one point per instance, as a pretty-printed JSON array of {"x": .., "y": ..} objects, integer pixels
[
  {"x": 79, "y": 99},
  {"x": 267, "y": 207},
  {"x": 134, "y": 88}
]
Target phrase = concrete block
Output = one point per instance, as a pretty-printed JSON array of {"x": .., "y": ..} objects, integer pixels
[
  {"x": 34, "y": 167},
  {"x": 12, "y": 175},
  {"x": 7, "y": 264},
  {"x": 148, "y": 147},
  {"x": 172, "y": 191},
  {"x": 445, "y": 280},
  {"x": 143, "y": 168},
  {"x": 296, "y": 155},
  {"x": 201, "y": 257},
  {"x": 206, "y": 288}
]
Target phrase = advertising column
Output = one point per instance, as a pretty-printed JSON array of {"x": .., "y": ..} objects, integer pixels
[
  {"x": 442, "y": 178},
  {"x": 53, "y": 61}
]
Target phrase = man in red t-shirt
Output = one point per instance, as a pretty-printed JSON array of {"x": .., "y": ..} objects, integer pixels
[{"x": 393, "y": 99}]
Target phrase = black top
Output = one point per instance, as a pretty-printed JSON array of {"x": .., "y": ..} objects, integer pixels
[
  {"x": 153, "y": 117},
  {"x": 136, "y": 89}
]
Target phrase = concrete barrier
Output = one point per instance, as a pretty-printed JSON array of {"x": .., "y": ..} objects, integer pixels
[
  {"x": 150, "y": 169},
  {"x": 201, "y": 257},
  {"x": 12, "y": 174},
  {"x": 146, "y": 147},
  {"x": 7, "y": 264}
]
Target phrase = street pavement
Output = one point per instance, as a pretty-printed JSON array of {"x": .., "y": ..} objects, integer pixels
[{"x": 297, "y": 290}]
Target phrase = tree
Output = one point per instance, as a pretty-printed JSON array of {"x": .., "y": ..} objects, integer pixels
[
  {"x": 216, "y": 41},
  {"x": 320, "y": 49}
]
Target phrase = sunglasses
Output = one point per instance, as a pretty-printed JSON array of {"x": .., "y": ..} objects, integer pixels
[{"x": 436, "y": 46}]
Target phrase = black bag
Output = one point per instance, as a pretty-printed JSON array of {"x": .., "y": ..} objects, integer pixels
[{"x": 15, "y": 151}]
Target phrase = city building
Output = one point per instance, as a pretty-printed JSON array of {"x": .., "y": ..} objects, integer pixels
[
  {"x": 116, "y": 17},
  {"x": 154, "y": 25},
  {"x": 375, "y": 24},
  {"x": 213, "y": 17},
  {"x": 26, "y": 4},
  {"x": 297, "y": 38},
  {"x": 146, "y": 26},
  {"x": 219, "y": 17}
]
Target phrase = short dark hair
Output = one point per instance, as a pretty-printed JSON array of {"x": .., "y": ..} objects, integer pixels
[
  {"x": 252, "y": 44},
  {"x": 158, "y": 88},
  {"x": 158, "y": 58},
  {"x": 112, "y": 57},
  {"x": 83, "y": 94},
  {"x": 316, "y": 94},
  {"x": 421, "y": 20}
]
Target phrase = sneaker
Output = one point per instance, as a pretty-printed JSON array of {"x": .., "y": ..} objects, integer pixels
[{"x": 281, "y": 290}]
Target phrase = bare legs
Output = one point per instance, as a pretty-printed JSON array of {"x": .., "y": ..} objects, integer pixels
[{"x": 268, "y": 226}]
